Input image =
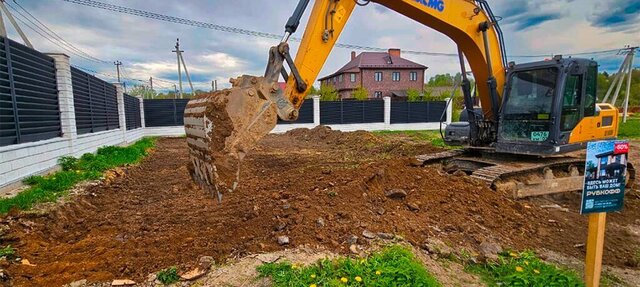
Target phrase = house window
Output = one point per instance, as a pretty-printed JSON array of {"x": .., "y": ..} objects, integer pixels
[
  {"x": 377, "y": 94},
  {"x": 353, "y": 77},
  {"x": 413, "y": 76},
  {"x": 377, "y": 76},
  {"x": 340, "y": 78},
  {"x": 335, "y": 79},
  {"x": 395, "y": 76}
]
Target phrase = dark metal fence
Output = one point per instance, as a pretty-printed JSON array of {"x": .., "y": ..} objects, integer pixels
[
  {"x": 95, "y": 103},
  {"x": 164, "y": 113},
  {"x": 349, "y": 112},
  {"x": 132, "y": 112},
  {"x": 305, "y": 114},
  {"x": 416, "y": 112},
  {"x": 29, "y": 108}
]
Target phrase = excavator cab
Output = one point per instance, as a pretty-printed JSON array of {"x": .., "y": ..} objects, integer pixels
[{"x": 549, "y": 107}]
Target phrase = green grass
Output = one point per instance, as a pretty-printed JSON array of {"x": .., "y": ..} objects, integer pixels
[
  {"x": 168, "y": 276},
  {"x": 630, "y": 129},
  {"x": 88, "y": 167},
  {"x": 432, "y": 137},
  {"x": 524, "y": 269},
  {"x": 392, "y": 266},
  {"x": 7, "y": 251}
]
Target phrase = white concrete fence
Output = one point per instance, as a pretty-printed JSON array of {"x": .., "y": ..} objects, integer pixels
[
  {"x": 22, "y": 160},
  {"x": 19, "y": 161}
]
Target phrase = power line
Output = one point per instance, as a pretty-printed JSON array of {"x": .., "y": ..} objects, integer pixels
[
  {"x": 53, "y": 33},
  {"x": 38, "y": 30},
  {"x": 229, "y": 29}
]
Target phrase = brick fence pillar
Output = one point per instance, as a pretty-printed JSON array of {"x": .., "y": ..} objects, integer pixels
[
  {"x": 387, "y": 112},
  {"x": 65, "y": 95},
  {"x": 122, "y": 118},
  {"x": 316, "y": 110}
]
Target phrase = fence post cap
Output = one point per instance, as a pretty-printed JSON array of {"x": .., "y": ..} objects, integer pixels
[{"x": 316, "y": 97}]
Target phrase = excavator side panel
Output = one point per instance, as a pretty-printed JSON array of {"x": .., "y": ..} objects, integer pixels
[{"x": 604, "y": 125}]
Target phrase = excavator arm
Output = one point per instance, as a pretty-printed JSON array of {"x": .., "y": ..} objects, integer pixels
[
  {"x": 223, "y": 126},
  {"x": 467, "y": 23}
]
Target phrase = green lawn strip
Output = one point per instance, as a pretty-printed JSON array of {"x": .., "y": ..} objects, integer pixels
[
  {"x": 429, "y": 136},
  {"x": 392, "y": 266},
  {"x": 630, "y": 129},
  {"x": 74, "y": 170},
  {"x": 524, "y": 269}
]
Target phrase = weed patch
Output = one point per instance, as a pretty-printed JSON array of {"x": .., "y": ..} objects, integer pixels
[
  {"x": 392, "y": 266},
  {"x": 524, "y": 269},
  {"x": 7, "y": 251},
  {"x": 87, "y": 167},
  {"x": 168, "y": 276}
]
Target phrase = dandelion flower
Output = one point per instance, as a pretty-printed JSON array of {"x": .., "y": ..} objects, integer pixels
[
  {"x": 312, "y": 285},
  {"x": 513, "y": 254},
  {"x": 358, "y": 278},
  {"x": 378, "y": 272},
  {"x": 519, "y": 269},
  {"x": 294, "y": 266},
  {"x": 344, "y": 280},
  {"x": 313, "y": 275},
  {"x": 526, "y": 263},
  {"x": 536, "y": 271}
]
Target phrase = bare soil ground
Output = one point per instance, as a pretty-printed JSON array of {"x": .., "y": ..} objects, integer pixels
[{"x": 318, "y": 187}]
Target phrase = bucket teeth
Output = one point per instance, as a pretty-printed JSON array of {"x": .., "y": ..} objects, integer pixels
[{"x": 222, "y": 127}]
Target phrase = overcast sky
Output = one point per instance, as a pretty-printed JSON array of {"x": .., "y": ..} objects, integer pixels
[{"x": 144, "y": 45}]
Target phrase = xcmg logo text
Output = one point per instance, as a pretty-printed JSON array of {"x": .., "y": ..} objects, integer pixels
[{"x": 433, "y": 4}]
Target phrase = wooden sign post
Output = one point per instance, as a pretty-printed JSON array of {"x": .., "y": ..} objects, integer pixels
[
  {"x": 595, "y": 245},
  {"x": 604, "y": 181}
]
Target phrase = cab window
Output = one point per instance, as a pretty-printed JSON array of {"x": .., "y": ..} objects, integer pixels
[
  {"x": 571, "y": 102},
  {"x": 590, "y": 92}
]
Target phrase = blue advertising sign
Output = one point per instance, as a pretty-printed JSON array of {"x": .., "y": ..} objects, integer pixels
[{"x": 604, "y": 176}]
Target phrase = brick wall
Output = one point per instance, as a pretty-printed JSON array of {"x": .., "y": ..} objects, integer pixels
[{"x": 387, "y": 84}]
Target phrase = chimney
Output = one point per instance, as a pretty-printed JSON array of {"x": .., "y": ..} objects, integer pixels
[
  {"x": 353, "y": 55},
  {"x": 394, "y": 52}
]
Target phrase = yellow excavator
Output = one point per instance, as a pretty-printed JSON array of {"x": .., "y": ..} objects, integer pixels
[{"x": 533, "y": 116}]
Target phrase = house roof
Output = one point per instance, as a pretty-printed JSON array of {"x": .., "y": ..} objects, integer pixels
[{"x": 381, "y": 60}]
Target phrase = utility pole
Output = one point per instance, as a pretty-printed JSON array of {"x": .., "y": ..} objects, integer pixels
[
  {"x": 175, "y": 91},
  {"x": 151, "y": 83},
  {"x": 180, "y": 60},
  {"x": 118, "y": 63},
  {"x": 3, "y": 30},
  {"x": 214, "y": 85},
  {"x": 625, "y": 71},
  {"x": 177, "y": 51}
]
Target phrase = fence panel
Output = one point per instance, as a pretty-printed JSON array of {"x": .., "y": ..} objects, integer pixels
[
  {"x": 164, "y": 112},
  {"x": 29, "y": 108},
  {"x": 95, "y": 102},
  {"x": 351, "y": 112},
  {"x": 305, "y": 114},
  {"x": 132, "y": 112},
  {"x": 416, "y": 112}
]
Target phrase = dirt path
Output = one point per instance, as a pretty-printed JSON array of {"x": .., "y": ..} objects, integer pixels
[{"x": 317, "y": 187}]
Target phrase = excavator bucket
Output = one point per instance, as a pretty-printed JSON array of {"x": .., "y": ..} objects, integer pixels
[{"x": 223, "y": 126}]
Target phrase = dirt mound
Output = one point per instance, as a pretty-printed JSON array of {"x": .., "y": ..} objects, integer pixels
[{"x": 317, "y": 188}]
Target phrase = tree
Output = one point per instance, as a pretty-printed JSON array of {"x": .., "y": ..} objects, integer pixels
[
  {"x": 328, "y": 93},
  {"x": 414, "y": 95},
  {"x": 142, "y": 91},
  {"x": 360, "y": 93}
]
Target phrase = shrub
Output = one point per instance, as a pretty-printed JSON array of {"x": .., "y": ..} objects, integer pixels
[
  {"x": 360, "y": 93},
  {"x": 168, "y": 276},
  {"x": 328, "y": 93}
]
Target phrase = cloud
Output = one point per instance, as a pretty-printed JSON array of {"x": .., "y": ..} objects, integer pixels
[
  {"x": 617, "y": 15},
  {"x": 523, "y": 14}
]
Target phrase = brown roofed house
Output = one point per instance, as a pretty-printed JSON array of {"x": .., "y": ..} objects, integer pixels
[{"x": 381, "y": 73}]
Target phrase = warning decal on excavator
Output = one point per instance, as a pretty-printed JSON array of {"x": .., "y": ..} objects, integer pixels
[{"x": 604, "y": 176}]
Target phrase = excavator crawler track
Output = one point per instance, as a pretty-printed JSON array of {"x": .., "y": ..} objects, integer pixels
[{"x": 519, "y": 176}]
